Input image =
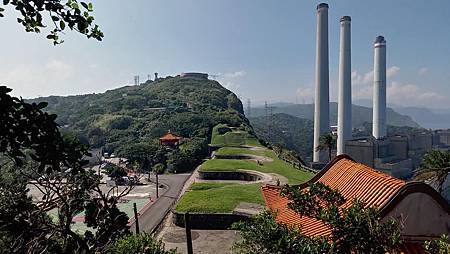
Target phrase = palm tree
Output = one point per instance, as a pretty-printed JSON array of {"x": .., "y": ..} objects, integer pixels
[
  {"x": 327, "y": 141},
  {"x": 435, "y": 167}
]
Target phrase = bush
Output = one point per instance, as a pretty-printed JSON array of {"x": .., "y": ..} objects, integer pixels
[
  {"x": 114, "y": 171},
  {"x": 223, "y": 130},
  {"x": 159, "y": 168},
  {"x": 137, "y": 244}
]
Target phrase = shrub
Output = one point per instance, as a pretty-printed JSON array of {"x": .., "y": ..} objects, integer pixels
[{"x": 141, "y": 243}]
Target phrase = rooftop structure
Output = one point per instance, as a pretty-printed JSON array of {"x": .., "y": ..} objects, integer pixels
[
  {"x": 195, "y": 75},
  {"x": 425, "y": 213},
  {"x": 170, "y": 140}
]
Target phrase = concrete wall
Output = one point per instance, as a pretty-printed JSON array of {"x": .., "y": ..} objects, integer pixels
[
  {"x": 398, "y": 146},
  {"x": 422, "y": 217},
  {"x": 420, "y": 142},
  {"x": 209, "y": 220},
  {"x": 401, "y": 168},
  {"x": 361, "y": 150},
  {"x": 229, "y": 175}
]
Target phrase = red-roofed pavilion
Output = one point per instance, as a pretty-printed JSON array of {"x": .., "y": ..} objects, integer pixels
[{"x": 170, "y": 139}]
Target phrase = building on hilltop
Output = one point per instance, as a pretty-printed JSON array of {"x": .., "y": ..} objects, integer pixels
[
  {"x": 170, "y": 140},
  {"x": 195, "y": 75},
  {"x": 425, "y": 214}
]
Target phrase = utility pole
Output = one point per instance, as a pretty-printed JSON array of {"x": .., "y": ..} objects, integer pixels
[
  {"x": 136, "y": 218},
  {"x": 187, "y": 226},
  {"x": 157, "y": 185}
]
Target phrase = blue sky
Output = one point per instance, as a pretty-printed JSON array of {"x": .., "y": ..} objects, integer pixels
[{"x": 261, "y": 49}]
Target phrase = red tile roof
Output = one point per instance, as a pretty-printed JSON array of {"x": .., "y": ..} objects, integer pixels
[
  {"x": 170, "y": 137},
  {"x": 352, "y": 179}
]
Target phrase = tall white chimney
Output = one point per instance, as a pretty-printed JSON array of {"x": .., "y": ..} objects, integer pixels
[
  {"x": 345, "y": 86},
  {"x": 379, "y": 89},
  {"x": 322, "y": 100}
]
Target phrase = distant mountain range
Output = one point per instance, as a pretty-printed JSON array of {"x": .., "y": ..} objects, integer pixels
[
  {"x": 426, "y": 117},
  {"x": 360, "y": 114}
]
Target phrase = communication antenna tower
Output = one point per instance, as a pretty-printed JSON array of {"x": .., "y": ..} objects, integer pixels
[
  {"x": 269, "y": 119},
  {"x": 248, "y": 113},
  {"x": 136, "y": 80}
]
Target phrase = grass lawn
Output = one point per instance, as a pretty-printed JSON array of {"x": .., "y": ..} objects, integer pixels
[
  {"x": 218, "y": 197},
  {"x": 295, "y": 176},
  {"x": 232, "y": 138},
  {"x": 240, "y": 150},
  {"x": 224, "y": 197}
]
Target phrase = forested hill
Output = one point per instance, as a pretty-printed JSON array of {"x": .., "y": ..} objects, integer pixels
[
  {"x": 360, "y": 114},
  {"x": 138, "y": 114},
  {"x": 292, "y": 132},
  {"x": 296, "y": 133}
]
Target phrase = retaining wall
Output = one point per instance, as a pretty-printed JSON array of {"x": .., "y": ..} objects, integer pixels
[
  {"x": 229, "y": 175},
  {"x": 208, "y": 220}
]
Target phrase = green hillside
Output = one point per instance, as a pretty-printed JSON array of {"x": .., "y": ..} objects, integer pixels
[
  {"x": 292, "y": 132},
  {"x": 360, "y": 114},
  {"x": 296, "y": 133},
  {"x": 123, "y": 117}
]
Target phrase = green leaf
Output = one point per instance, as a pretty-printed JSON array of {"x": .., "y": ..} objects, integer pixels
[
  {"x": 62, "y": 25},
  {"x": 5, "y": 2},
  {"x": 42, "y": 104},
  {"x": 85, "y": 5},
  {"x": 91, "y": 7}
]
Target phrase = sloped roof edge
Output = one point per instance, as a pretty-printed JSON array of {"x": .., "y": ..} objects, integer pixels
[
  {"x": 410, "y": 188},
  {"x": 399, "y": 195},
  {"x": 325, "y": 169}
]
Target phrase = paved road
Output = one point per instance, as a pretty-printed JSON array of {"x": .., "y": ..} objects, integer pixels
[{"x": 153, "y": 216}]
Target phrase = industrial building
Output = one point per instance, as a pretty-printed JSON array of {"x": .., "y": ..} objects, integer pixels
[{"x": 397, "y": 155}]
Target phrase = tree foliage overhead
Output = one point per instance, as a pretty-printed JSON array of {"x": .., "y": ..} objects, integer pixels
[
  {"x": 33, "y": 152},
  {"x": 36, "y": 15},
  {"x": 435, "y": 168}
]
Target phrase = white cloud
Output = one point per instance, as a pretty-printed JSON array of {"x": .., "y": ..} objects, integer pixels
[
  {"x": 392, "y": 71},
  {"x": 404, "y": 94},
  {"x": 305, "y": 94},
  {"x": 407, "y": 93},
  {"x": 232, "y": 86},
  {"x": 423, "y": 71},
  {"x": 230, "y": 80},
  {"x": 232, "y": 75},
  {"x": 29, "y": 80},
  {"x": 367, "y": 78}
]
